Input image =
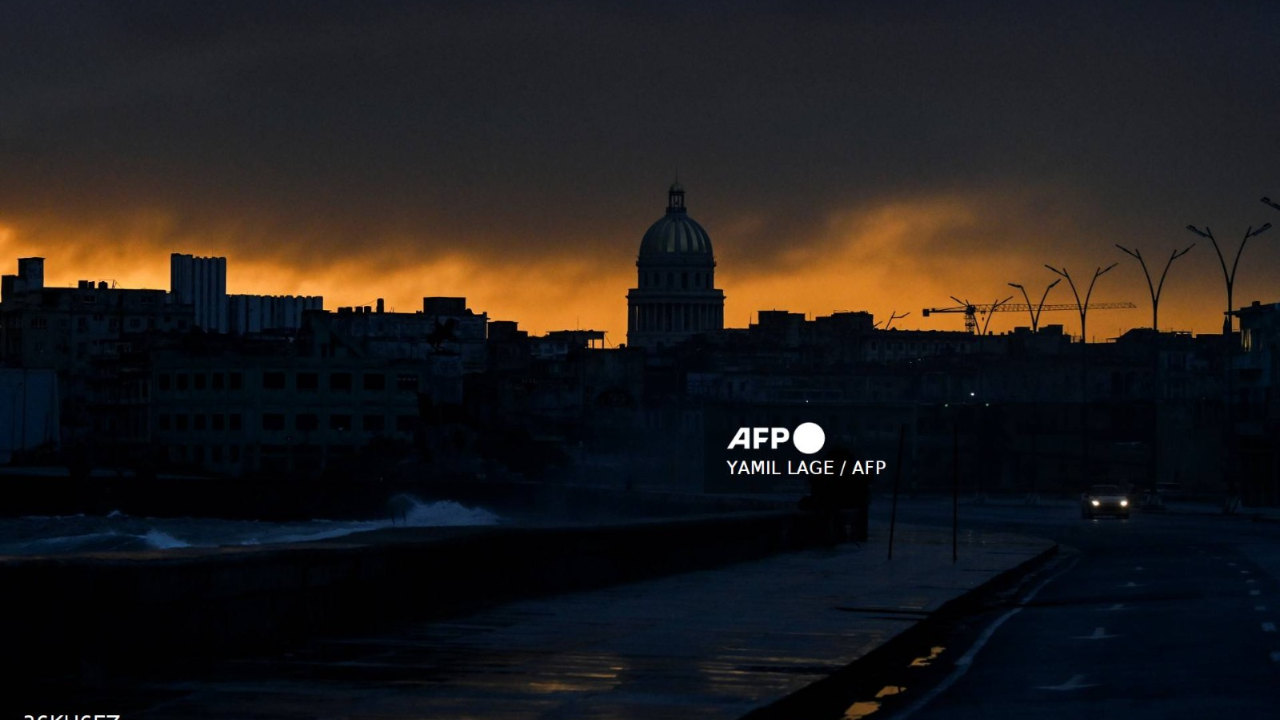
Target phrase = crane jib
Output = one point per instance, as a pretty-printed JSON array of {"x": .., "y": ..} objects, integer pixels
[{"x": 971, "y": 311}]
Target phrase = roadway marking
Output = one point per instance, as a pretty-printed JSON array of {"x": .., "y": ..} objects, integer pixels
[
  {"x": 1098, "y": 634},
  {"x": 966, "y": 660},
  {"x": 1232, "y": 564},
  {"x": 1251, "y": 581},
  {"x": 1268, "y": 627},
  {"x": 1131, "y": 584},
  {"x": 1244, "y": 572},
  {"x": 934, "y": 652},
  {"x": 1139, "y": 568},
  {"x": 1072, "y": 684},
  {"x": 1117, "y": 606},
  {"x": 1260, "y": 608},
  {"x": 1255, "y": 592}
]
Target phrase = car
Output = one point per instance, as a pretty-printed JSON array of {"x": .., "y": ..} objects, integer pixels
[{"x": 1104, "y": 500}]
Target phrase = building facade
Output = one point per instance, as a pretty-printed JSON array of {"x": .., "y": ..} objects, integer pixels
[
  {"x": 252, "y": 314},
  {"x": 201, "y": 282},
  {"x": 274, "y": 413}
]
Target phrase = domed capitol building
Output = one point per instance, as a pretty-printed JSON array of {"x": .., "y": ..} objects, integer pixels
[{"x": 676, "y": 295}]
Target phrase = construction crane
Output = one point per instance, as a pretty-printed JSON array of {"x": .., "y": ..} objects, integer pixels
[{"x": 971, "y": 311}]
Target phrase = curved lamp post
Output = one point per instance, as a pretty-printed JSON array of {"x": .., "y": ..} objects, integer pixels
[
  {"x": 1155, "y": 289},
  {"x": 1229, "y": 444},
  {"x": 1035, "y": 314},
  {"x": 1084, "y": 358},
  {"x": 1082, "y": 306},
  {"x": 1230, "y": 277}
]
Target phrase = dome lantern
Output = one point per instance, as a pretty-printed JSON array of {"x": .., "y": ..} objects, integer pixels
[{"x": 675, "y": 198}]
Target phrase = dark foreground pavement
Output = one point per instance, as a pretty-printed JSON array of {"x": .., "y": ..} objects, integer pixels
[{"x": 713, "y": 644}]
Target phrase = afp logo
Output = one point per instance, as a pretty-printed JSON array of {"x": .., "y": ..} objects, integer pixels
[{"x": 807, "y": 437}]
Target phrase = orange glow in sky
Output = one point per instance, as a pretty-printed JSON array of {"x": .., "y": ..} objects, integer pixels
[{"x": 901, "y": 256}]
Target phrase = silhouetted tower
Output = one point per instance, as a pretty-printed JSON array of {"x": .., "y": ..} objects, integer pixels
[
  {"x": 201, "y": 282},
  {"x": 676, "y": 295}
]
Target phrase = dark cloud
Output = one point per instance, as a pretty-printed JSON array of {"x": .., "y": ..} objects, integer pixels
[{"x": 316, "y": 133}]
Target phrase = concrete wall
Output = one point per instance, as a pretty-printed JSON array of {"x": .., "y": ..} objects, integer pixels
[{"x": 84, "y": 616}]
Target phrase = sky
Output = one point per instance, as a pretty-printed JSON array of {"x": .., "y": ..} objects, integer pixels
[{"x": 842, "y": 156}]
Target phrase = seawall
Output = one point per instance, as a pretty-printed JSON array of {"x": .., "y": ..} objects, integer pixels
[{"x": 86, "y": 614}]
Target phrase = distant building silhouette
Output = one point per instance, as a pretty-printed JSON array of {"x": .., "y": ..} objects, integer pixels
[
  {"x": 1256, "y": 412},
  {"x": 202, "y": 283},
  {"x": 30, "y": 277},
  {"x": 91, "y": 337},
  {"x": 445, "y": 325},
  {"x": 276, "y": 386},
  {"x": 250, "y": 314},
  {"x": 675, "y": 297},
  {"x": 69, "y": 328}
]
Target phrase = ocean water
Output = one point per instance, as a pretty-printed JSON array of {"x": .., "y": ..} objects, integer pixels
[{"x": 117, "y": 532}]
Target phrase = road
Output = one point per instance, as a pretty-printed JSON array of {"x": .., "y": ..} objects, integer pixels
[{"x": 1160, "y": 616}]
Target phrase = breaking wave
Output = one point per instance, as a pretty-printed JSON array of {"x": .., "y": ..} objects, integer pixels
[{"x": 118, "y": 532}]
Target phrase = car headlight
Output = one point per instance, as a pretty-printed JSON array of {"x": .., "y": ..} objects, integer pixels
[
  {"x": 1095, "y": 503},
  {"x": 1124, "y": 503}
]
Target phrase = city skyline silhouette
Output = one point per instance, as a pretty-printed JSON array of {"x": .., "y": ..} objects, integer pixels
[{"x": 880, "y": 159}]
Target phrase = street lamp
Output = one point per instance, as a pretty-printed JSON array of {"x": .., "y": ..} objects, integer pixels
[
  {"x": 1084, "y": 357},
  {"x": 1082, "y": 306},
  {"x": 1033, "y": 498},
  {"x": 1035, "y": 314},
  {"x": 1155, "y": 289},
  {"x": 1229, "y": 444},
  {"x": 1230, "y": 277}
]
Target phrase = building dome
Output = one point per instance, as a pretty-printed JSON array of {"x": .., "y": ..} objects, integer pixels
[
  {"x": 675, "y": 297},
  {"x": 676, "y": 235}
]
